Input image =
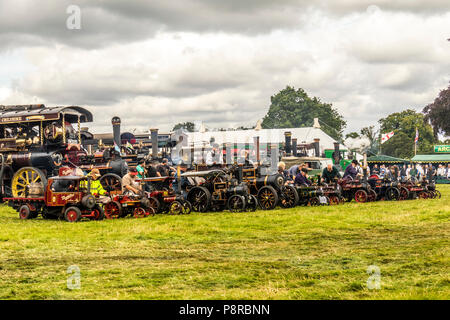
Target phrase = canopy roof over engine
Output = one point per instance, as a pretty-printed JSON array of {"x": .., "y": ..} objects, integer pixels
[
  {"x": 39, "y": 112},
  {"x": 203, "y": 173}
]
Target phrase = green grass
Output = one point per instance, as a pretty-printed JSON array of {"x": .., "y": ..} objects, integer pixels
[{"x": 300, "y": 253}]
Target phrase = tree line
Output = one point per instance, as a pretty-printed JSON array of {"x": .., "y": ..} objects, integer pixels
[{"x": 293, "y": 108}]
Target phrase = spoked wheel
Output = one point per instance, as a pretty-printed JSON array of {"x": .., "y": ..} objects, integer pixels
[
  {"x": 176, "y": 207},
  {"x": 24, "y": 178},
  {"x": 289, "y": 197},
  {"x": 372, "y": 195},
  {"x": 5, "y": 182},
  {"x": 423, "y": 195},
  {"x": 113, "y": 210},
  {"x": 200, "y": 199},
  {"x": 72, "y": 214},
  {"x": 98, "y": 212},
  {"x": 236, "y": 203},
  {"x": 154, "y": 203},
  {"x": 252, "y": 203},
  {"x": 361, "y": 196},
  {"x": 404, "y": 193},
  {"x": 267, "y": 198},
  {"x": 187, "y": 207},
  {"x": 438, "y": 194},
  {"x": 139, "y": 212},
  {"x": 112, "y": 183},
  {"x": 314, "y": 201},
  {"x": 392, "y": 193},
  {"x": 334, "y": 200}
]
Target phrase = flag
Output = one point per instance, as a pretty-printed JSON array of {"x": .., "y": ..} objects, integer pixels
[
  {"x": 129, "y": 145},
  {"x": 417, "y": 136},
  {"x": 116, "y": 147},
  {"x": 385, "y": 137}
]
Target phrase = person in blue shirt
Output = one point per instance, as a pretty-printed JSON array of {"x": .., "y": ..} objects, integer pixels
[
  {"x": 351, "y": 171},
  {"x": 302, "y": 178}
]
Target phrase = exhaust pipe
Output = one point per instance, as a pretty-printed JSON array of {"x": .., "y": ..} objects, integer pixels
[
  {"x": 154, "y": 137},
  {"x": 116, "y": 131},
  {"x": 287, "y": 139},
  {"x": 317, "y": 147},
  {"x": 294, "y": 147}
]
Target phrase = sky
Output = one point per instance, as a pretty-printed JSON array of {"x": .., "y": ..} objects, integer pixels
[{"x": 160, "y": 62}]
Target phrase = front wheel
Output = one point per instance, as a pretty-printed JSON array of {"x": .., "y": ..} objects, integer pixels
[
  {"x": 267, "y": 198},
  {"x": 72, "y": 214},
  {"x": 25, "y": 212},
  {"x": 289, "y": 197},
  {"x": 236, "y": 203},
  {"x": 361, "y": 196}
]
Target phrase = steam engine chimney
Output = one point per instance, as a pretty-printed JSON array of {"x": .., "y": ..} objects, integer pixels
[
  {"x": 316, "y": 147},
  {"x": 287, "y": 139},
  {"x": 154, "y": 137},
  {"x": 294, "y": 147},
  {"x": 116, "y": 131}
]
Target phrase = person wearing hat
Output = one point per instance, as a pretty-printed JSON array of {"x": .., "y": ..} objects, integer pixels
[
  {"x": 129, "y": 184},
  {"x": 96, "y": 187},
  {"x": 302, "y": 178},
  {"x": 351, "y": 171}
]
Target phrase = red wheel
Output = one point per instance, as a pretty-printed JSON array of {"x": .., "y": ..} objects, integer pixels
[
  {"x": 334, "y": 200},
  {"x": 423, "y": 195},
  {"x": 139, "y": 212},
  {"x": 404, "y": 193},
  {"x": 25, "y": 212},
  {"x": 361, "y": 196},
  {"x": 98, "y": 212},
  {"x": 113, "y": 210},
  {"x": 72, "y": 214}
]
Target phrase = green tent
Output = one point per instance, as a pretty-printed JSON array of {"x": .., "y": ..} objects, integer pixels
[
  {"x": 432, "y": 158},
  {"x": 385, "y": 159}
]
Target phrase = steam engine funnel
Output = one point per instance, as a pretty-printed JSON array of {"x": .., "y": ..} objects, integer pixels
[
  {"x": 317, "y": 147},
  {"x": 154, "y": 137},
  {"x": 116, "y": 131},
  {"x": 287, "y": 139}
]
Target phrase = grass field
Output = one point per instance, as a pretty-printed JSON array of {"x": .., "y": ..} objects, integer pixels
[{"x": 300, "y": 253}]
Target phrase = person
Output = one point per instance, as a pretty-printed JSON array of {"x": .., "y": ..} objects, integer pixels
[
  {"x": 184, "y": 181},
  {"x": 165, "y": 169},
  {"x": 403, "y": 172},
  {"x": 391, "y": 174},
  {"x": 375, "y": 169},
  {"x": 294, "y": 170},
  {"x": 302, "y": 177},
  {"x": 440, "y": 171},
  {"x": 214, "y": 156},
  {"x": 129, "y": 184},
  {"x": 141, "y": 169},
  {"x": 152, "y": 169},
  {"x": 413, "y": 173},
  {"x": 96, "y": 187},
  {"x": 383, "y": 171},
  {"x": 285, "y": 173},
  {"x": 408, "y": 170},
  {"x": 350, "y": 171},
  {"x": 448, "y": 171},
  {"x": 330, "y": 174}
]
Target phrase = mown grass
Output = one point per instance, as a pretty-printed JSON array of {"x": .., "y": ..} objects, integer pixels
[{"x": 300, "y": 253}]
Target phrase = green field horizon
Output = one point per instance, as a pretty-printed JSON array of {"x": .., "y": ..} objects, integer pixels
[{"x": 299, "y": 253}]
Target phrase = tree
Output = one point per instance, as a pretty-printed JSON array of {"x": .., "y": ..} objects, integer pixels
[
  {"x": 371, "y": 134},
  {"x": 438, "y": 113},
  {"x": 352, "y": 135},
  {"x": 404, "y": 125},
  {"x": 189, "y": 126},
  {"x": 292, "y": 108}
]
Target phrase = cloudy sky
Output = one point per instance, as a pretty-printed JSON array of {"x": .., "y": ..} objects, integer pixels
[{"x": 159, "y": 62}]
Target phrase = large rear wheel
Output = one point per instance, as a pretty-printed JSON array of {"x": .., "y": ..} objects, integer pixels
[
  {"x": 289, "y": 197},
  {"x": 112, "y": 183},
  {"x": 200, "y": 199},
  {"x": 23, "y": 180}
]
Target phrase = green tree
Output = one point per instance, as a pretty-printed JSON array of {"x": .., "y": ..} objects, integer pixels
[
  {"x": 438, "y": 113},
  {"x": 352, "y": 135},
  {"x": 371, "y": 134},
  {"x": 292, "y": 108},
  {"x": 404, "y": 125},
  {"x": 189, "y": 126}
]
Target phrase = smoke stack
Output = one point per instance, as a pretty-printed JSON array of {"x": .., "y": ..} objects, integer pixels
[
  {"x": 116, "y": 131},
  {"x": 154, "y": 137},
  {"x": 294, "y": 147},
  {"x": 287, "y": 139},
  {"x": 256, "y": 143},
  {"x": 336, "y": 154},
  {"x": 317, "y": 147}
]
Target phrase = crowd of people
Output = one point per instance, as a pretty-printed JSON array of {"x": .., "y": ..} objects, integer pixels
[{"x": 412, "y": 171}]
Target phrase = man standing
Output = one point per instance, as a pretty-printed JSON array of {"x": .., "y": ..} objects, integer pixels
[
  {"x": 350, "y": 171},
  {"x": 129, "y": 184},
  {"x": 330, "y": 174}
]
